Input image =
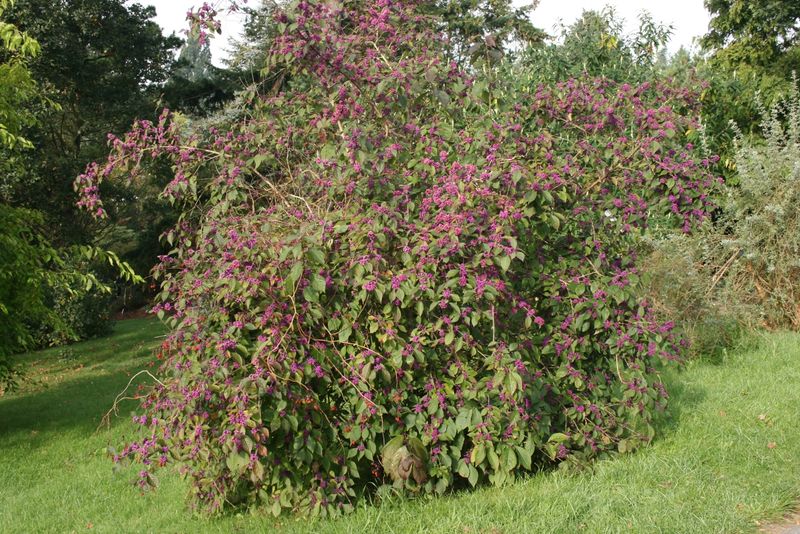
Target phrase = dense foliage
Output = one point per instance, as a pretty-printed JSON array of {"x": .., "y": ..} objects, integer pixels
[
  {"x": 394, "y": 271},
  {"x": 596, "y": 44},
  {"x": 16, "y": 85},
  {"x": 760, "y": 232},
  {"x": 483, "y": 29},
  {"x": 750, "y": 53},
  {"x": 44, "y": 289},
  {"x": 758, "y": 33},
  {"x": 22, "y": 250},
  {"x": 102, "y": 62},
  {"x": 196, "y": 87},
  {"x": 101, "y": 65},
  {"x": 739, "y": 273},
  {"x": 21, "y": 298}
]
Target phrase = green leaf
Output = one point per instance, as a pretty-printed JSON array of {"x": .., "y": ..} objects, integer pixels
[
  {"x": 478, "y": 454},
  {"x": 237, "y": 461},
  {"x": 509, "y": 459},
  {"x": 463, "y": 419},
  {"x": 444, "y": 98},
  {"x": 344, "y": 333},
  {"x": 504, "y": 262},
  {"x": 296, "y": 273},
  {"x": 494, "y": 460},
  {"x": 448, "y": 338},
  {"x": 558, "y": 438},
  {"x": 316, "y": 255},
  {"x": 310, "y": 294},
  {"x": 318, "y": 283},
  {"x": 463, "y": 469},
  {"x": 276, "y": 508},
  {"x": 473, "y": 476}
]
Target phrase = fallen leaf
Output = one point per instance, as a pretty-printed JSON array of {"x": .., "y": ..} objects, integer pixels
[{"x": 771, "y": 445}]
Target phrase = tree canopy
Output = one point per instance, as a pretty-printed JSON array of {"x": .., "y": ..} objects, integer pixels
[
  {"x": 102, "y": 63},
  {"x": 760, "y": 33}
]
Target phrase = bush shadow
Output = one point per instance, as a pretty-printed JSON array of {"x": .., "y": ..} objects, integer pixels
[
  {"x": 683, "y": 398},
  {"x": 96, "y": 375}
]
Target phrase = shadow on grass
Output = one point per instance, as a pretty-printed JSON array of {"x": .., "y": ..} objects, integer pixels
[
  {"x": 74, "y": 406},
  {"x": 92, "y": 379},
  {"x": 683, "y": 398},
  {"x": 127, "y": 338}
]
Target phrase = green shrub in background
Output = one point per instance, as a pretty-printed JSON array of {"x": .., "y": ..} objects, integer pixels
[
  {"x": 760, "y": 234},
  {"x": 43, "y": 288},
  {"x": 741, "y": 272},
  {"x": 86, "y": 314},
  {"x": 83, "y": 310},
  {"x": 47, "y": 296},
  {"x": 680, "y": 287}
]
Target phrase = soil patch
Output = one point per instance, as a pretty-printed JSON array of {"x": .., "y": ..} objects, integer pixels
[{"x": 789, "y": 525}]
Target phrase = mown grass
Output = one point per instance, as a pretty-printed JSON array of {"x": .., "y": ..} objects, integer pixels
[{"x": 727, "y": 457}]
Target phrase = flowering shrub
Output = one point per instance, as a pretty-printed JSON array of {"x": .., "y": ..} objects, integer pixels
[{"x": 388, "y": 270}]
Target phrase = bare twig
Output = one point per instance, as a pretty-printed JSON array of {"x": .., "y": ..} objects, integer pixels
[
  {"x": 106, "y": 420},
  {"x": 718, "y": 276}
]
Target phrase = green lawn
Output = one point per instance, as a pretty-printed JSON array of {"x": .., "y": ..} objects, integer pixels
[{"x": 728, "y": 455}]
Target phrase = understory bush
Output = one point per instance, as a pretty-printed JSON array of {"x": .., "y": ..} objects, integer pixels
[
  {"x": 389, "y": 271},
  {"x": 45, "y": 296},
  {"x": 683, "y": 285},
  {"x": 761, "y": 225},
  {"x": 83, "y": 308},
  {"x": 86, "y": 313},
  {"x": 742, "y": 271},
  {"x": 23, "y": 255}
]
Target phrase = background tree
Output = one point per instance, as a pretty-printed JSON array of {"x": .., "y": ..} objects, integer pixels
[
  {"x": 196, "y": 86},
  {"x": 250, "y": 51},
  {"x": 19, "y": 258},
  {"x": 758, "y": 33},
  {"x": 102, "y": 62},
  {"x": 752, "y": 48},
  {"x": 597, "y": 45},
  {"x": 16, "y": 83},
  {"x": 484, "y": 28},
  {"x": 31, "y": 268}
]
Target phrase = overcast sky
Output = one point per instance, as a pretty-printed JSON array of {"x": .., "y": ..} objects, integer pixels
[{"x": 688, "y": 17}]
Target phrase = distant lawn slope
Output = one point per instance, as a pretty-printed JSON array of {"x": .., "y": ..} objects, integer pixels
[{"x": 727, "y": 456}]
